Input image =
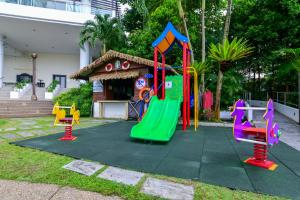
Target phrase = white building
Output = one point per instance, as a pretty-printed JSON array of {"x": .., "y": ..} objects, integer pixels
[{"x": 51, "y": 29}]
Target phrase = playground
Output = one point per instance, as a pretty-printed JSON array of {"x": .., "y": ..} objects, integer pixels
[
  {"x": 239, "y": 157},
  {"x": 209, "y": 155}
]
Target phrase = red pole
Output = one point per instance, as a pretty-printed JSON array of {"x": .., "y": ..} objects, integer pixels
[
  {"x": 184, "y": 87},
  {"x": 155, "y": 71},
  {"x": 188, "y": 90},
  {"x": 163, "y": 75}
]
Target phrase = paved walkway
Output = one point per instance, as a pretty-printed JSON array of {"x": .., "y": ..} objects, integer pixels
[
  {"x": 289, "y": 128},
  {"x": 14, "y": 190}
]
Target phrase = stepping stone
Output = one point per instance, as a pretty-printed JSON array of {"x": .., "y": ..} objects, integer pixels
[
  {"x": 25, "y": 134},
  {"x": 167, "y": 189},
  {"x": 83, "y": 167},
  {"x": 126, "y": 177},
  {"x": 10, "y": 136},
  {"x": 10, "y": 129}
]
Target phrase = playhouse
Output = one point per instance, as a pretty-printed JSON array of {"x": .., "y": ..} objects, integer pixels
[{"x": 117, "y": 80}]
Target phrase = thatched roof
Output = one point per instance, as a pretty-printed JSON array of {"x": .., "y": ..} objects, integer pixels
[
  {"x": 85, "y": 72},
  {"x": 116, "y": 75}
]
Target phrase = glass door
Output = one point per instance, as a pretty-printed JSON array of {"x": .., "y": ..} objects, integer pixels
[{"x": 62, "y": 80}]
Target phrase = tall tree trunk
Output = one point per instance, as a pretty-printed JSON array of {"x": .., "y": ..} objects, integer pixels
[
  {"x": 182, "y": 16},
  {"x": 104, "y": 48},
  {"x": 203, "y": 42},
  {"x": 218, "y": 94},
  {"x": 220, "y": 74},
  {"x": 227, "y": 20}
]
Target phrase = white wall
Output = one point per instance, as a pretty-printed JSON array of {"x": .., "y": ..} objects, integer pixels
[
  {"x": 47, "y": 65},
  {"x": 292, "y": 113}
]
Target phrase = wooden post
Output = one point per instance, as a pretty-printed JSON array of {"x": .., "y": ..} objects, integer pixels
[
  {"x": 33, "y": 96},
  {"x": 155, "y": 70},
  {"x": 163, "y": 76}
]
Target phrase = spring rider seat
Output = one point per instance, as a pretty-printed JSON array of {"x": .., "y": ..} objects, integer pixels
[
  {"x": 67, "y": 122},
  {"x": 262, "y": 138}
]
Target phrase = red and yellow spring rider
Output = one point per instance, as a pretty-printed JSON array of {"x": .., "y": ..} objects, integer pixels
[{"x": 67, "y": 122}]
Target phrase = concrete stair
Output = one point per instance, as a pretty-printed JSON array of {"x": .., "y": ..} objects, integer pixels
[
  {"x": 40, "y": 93},
  {"x": 4, "y": 92},
  {"x": 24, "y": 108}
]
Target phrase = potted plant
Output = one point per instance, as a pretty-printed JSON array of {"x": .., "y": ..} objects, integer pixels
[
  {"x": 21, "y": 88},
  {"x": 52, "y": 89}
]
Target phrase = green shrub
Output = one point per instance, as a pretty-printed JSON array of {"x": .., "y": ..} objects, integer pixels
[
  {"x": 21, "y": 84},
  {"x": 52, "y": 86},
  {"x": 82, "y": 97}
]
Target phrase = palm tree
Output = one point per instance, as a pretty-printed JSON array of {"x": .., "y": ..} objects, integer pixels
[
  {"x": 103, "y": 29},
  {"x": 225, "y": 54}
]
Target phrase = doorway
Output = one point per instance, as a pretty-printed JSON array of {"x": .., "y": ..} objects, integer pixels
[
  {"x": 62, "y": 80},
  {"x": 122, "y": 89}
]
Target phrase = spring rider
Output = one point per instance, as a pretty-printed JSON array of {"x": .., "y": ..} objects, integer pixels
[
  {"x": 67, "y": 122},
  {"x": 262, "y": 138}
]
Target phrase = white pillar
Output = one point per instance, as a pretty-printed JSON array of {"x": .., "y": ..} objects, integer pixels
[
  {"x": 84, "y": 55},
  {"x": 1, "y": 60}
]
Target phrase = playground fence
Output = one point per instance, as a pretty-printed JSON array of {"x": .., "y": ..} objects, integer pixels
[{"x": 285, "y": 98}]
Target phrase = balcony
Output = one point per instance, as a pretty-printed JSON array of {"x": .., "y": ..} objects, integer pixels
[{"x": 85, "y": 6}]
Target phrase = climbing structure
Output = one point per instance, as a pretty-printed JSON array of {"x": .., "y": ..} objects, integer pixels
[
  {"x": 163, "y": 44},
  {"x": 160, "y": 121}
]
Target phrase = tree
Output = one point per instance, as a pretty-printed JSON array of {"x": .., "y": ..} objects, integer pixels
[
  {"x": 225, "y": 54},
  {"x": 220, "y": 73},
  {"x": 227, "y": 21},
  {"x": 104, "y": 30},
  {"x": 268, "y": 26},
  {"x": 203, "y": 42},
  {"x": 182, "y": 16}
]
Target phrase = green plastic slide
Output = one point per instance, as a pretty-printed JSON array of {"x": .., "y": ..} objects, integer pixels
[{"x": 160, "y": 120}]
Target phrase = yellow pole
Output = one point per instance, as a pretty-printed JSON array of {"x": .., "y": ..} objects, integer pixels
[{"x": 196, "y": 96}]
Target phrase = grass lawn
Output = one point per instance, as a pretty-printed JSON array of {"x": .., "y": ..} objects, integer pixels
[{"x": 24, "y": 164}]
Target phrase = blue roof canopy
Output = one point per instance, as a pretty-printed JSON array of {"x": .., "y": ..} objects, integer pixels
[{"x": 168, "y": 38}]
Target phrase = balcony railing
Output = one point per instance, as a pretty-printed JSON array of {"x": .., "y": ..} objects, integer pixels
[{"x": 71, "y": 6}]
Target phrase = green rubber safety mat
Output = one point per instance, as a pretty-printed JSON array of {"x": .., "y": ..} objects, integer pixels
[{"x": 209, "y": 155}]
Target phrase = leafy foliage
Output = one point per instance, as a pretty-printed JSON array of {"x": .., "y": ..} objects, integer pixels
[
  {"x": 21, "y": 84},
  {"x": 105, "y": 30},
  {"x": 269, "y": 27},
  {"x": 52, "y": 86},
  {"x": 229, "y": 51},
  {"x": 82, "y": 97},
  {"x": 232, "y": 86}
]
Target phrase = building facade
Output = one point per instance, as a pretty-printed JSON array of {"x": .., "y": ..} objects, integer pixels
[{"x": 51, "y": 29}]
